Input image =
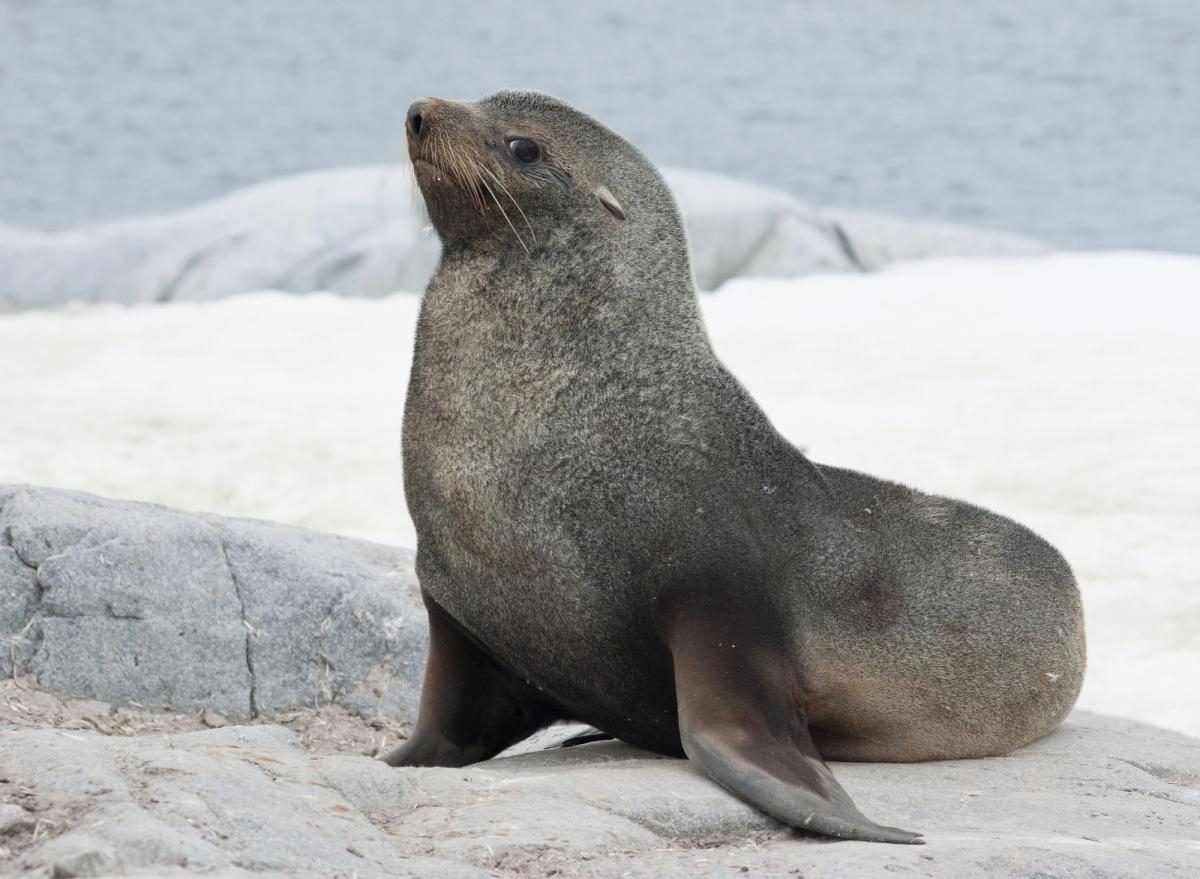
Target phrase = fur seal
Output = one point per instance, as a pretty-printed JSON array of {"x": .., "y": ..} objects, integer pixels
[{"x": 610, "y": 530}]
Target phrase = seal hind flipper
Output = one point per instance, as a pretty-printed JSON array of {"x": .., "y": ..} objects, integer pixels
[
  {"x": 740, "y": 718},
  {"x": 472, "y": 708}
]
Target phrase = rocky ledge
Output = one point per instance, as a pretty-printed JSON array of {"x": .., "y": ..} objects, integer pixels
[
  {"x": 169, "y": 629},
  {"x": 355, "y": 231},
  {"x": 135, "y": 603}
]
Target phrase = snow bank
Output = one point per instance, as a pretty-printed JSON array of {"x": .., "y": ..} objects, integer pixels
[
  {"x": 1063, "y": 391},
  {"x": 360, "y": 231}
]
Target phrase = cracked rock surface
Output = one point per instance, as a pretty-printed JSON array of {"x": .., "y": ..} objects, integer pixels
[
  {"x": 1099, "y": 798},
  {"x": 134, "y": 603}
]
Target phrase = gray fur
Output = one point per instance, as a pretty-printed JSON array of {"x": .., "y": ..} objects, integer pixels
[{"x": 576, "y": 460}]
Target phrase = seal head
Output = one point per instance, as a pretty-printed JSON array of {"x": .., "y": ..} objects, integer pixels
[{"x": 522, "y": 166}]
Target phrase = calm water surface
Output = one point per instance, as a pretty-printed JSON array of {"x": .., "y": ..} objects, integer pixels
[{"x": 1074, "y": 120}]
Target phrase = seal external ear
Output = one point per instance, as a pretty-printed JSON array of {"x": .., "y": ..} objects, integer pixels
[
  {"x": 471, "y": 707},
  {"x": 609, "y": 201},
  {"x": 740, "y": 718}
]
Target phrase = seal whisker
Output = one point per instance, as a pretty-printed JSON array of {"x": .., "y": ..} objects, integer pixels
[
  {"x": 414, "y": 191},
  {"x": 463, "y": 170},
  {"x": 504, "y": 214},
  {"x": 445, "y": 156},
  {"x": 516, "y": 204}
]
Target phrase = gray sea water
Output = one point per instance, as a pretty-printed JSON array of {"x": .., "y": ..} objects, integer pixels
[{"x": 1074, "y": 120}]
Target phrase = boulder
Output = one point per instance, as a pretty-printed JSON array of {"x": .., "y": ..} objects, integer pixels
[
  {"x": 362, "y": 231},
  {"x": 134, "y": 603}
]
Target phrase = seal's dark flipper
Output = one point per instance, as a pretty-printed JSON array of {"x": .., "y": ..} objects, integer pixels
[
  {"x": 740, "y": 719},
  {"x": 471, "y": 707},
  {"x": 591, "y": 734}
]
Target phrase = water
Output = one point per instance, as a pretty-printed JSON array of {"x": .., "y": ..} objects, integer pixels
[{"x": 1077, "y": 121}]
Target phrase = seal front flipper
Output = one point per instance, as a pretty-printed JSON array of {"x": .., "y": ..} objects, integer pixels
[
  {"x": 741, "y": 719},
  {"x": 472, "y": 708}
]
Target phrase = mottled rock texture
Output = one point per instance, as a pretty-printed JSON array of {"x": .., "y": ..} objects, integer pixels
[
  {"x": 1099, "y": 798},
  {"x": 133, "y": 603}
]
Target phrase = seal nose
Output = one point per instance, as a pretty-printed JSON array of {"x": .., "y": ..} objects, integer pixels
[{"x": 418, "y": 122}]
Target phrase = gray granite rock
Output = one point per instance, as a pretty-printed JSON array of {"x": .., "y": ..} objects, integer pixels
[
  {"x": 360, "y": 231},
  {"x": 133, "y": 603},
  {"x": 18, "y": 598},
  {"x": 1099, "y": 798},
  {"x": 873, "y": 241},
  {"x": 15, "y": 819},
  {"x": 245, "y": 798}
]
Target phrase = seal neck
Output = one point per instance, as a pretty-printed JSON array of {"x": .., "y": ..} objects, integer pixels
[{"x": 570, "y": 290}]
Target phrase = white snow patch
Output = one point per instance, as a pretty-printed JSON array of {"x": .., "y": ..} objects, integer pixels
[{"x": 1063, "y": 391}]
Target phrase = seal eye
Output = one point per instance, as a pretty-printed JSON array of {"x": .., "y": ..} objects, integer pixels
[{"x": 524, "y": 150}]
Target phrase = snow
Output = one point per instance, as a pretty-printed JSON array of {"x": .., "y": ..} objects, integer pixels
[{"x": 1061, "y": 390}]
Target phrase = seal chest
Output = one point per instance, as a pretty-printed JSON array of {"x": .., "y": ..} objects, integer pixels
[{"x": 596, "y": 537}]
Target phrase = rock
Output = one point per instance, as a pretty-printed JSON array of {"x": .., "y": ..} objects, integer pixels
[
  {"x": 79, "y": 855},
  {"x": 137, "y": 604},
  {"x": 212, "y": 720},
  {"x": 737, "y": 228},
  {"x": 1100, "y": 797},
  {"x": 239, "y": 797},
  {"x": 352, "y": 230},
  {"x": 360, "y": 231},
  {"x": 18, "y": 598},
  {"x": 14, "y": 819},
  {"x": 874, "y": 241},
  {"x": 740, "y": 229}
]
